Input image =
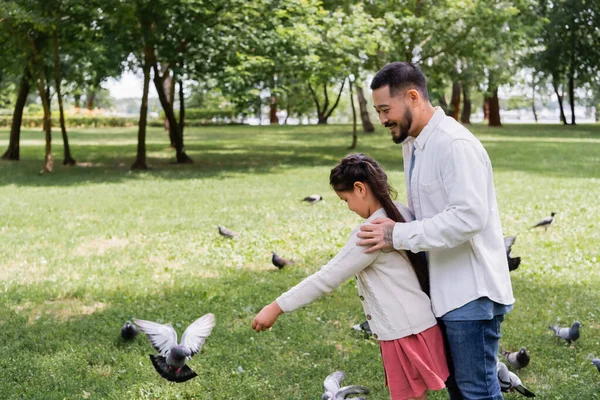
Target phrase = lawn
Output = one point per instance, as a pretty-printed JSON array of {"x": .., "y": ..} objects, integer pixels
[{"x": 86, "y": 248}]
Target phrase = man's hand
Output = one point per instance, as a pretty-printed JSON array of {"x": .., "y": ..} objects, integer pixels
[
  {"x": 377, "y": 235},
  {"x": 266, "y": 317}
]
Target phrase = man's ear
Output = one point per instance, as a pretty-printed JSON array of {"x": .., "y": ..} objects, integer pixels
[{"x": 413, "y": 96}]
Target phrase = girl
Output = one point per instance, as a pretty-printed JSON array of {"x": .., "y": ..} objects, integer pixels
[{"x": 391, "y": 287}]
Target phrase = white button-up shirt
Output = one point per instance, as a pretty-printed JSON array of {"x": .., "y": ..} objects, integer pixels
[{"x": 452, "y": 196}]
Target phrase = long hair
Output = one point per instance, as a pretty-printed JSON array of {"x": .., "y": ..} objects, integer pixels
[{"x": 361, "y": 168}]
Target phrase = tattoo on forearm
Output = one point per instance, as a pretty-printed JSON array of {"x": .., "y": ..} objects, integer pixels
[{"x": 388, "y": 230}]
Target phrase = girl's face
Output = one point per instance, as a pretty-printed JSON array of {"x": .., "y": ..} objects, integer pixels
[{"x": 360, "y": 200}]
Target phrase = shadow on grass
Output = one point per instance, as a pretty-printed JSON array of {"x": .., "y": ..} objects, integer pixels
[{"x": 106, "y": 157}]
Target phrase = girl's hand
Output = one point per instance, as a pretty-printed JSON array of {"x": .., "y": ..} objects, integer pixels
[{"x": 266, "y": 317}]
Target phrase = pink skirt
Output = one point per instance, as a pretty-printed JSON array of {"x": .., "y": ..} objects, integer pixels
[{"x": 415, "y": 364}]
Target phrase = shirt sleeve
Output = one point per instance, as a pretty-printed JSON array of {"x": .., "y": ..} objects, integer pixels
[
  {"x": 464, "y": 172},
  {"x": 347, "y": 263}
]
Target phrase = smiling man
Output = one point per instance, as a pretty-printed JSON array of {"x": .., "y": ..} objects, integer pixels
[{"x": 451, "y": 192}]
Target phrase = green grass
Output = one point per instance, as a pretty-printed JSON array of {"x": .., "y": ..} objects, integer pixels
[{"x": 84, "y": 249}]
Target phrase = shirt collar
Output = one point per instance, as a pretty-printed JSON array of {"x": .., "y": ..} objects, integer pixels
[{"x": 436, "y": 118}]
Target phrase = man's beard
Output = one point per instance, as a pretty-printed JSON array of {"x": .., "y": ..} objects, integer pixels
[{"x": 404, "y": 127}]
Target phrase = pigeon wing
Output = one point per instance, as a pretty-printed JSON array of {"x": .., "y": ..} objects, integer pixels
[
  {"x": 333, "y": 381},
  {"x": 195, "y": 335},
  {"x": 348, "y": 390},
  {"x": 508, "y": 242},
  {"x": 162, "y": 337},
  {"x": 160, "y": 365},
  {"x": 524, "y": 391}
]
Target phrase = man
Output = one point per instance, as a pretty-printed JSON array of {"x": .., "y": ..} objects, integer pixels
[{"x": 451, "y": 191}]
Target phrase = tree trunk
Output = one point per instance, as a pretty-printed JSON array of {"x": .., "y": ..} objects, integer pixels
[
  {"x": 12, "y": 153},
  {"x": 354, "y": 130},
  {"x": 48, "y": 162},
  {"x": 486, "y": 108},
  {"x": 287, "y": 112},
  {"x": 455, "y": 100},
  {"x": 323, "y": 115},
  {"x": 181, "y": 156},
  {"x": 560, "y": 103},
  {"x": 364, "y": 113},
  {"x": 77, "y": 100},
  {"x": 465, "y": 117},
  {"x": 572, "y": 95},
  {"x": 533, "y": 99},
  {"x": 273, "y": 120},
  {"x": 91, "y": 97},
  {"x": 68, "y": 159},
  {"x": 169, "y": 86},
  {"x": 494, "y": 107},
  {"x": 140, "y": 161},
  {"x": 181, "y": 109}
]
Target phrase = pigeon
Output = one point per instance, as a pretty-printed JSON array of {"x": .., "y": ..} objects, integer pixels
[
  {"x": 569, "y": 334},
  {"x": 170, "y": 363},
  {"x": 333, "y": 391},
  {"x": 313, "y": 198},
  {"x": 513, "y": 262},
  {"x": 280, "y": 262},
  {"x": 545, "y": 223},
  {"x": 518, "y": 359},
  {"x": 364, "y": 328},
  {"x": 228, "y": 233},
  {"x": 129, "y": 331},
  {"x": 596, "y": 362},
  {"x": 509, "y": 381}
]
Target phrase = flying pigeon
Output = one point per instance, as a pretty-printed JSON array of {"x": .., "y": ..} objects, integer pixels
[
  {"x": 364, "y": 328},
  {"x": 228, "y": 233},
  {"x": 170, "y": 363},
  {"x": 513, "y": 262},
  {"x": 313, "y": 198},
  {"x": 333, "y": 391},
  {"x": 545, "y": 223},
  {"x": 509, "y": 381},
  {"x": 129, "y": 331},
  {"x": 569, "y": 334},
  {"x": 280, "y": 262},
  {"x": 596, "y": 362},
  {"x": 518, "y": 359}
]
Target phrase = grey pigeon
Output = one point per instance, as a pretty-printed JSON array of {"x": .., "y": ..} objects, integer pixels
[
  {"x": 569, "y": 334},
  {"x": 280, "y": 262},
  {"x": 510, "y": 382},
  {"x": 129, "y": 331},
  {"x": 513, "y": 262},
  {"x": 228, "y": 233},
  {"x": 518, "y": 359},
  {"x": 364, "y": 328},
  {"x": 596, "y": 362},
  {"x": 333, "y": 391},
  {"x": 313, "y": 198},
  {"x": 545, "y": 223},
  {"x": 170, "y": 363}
]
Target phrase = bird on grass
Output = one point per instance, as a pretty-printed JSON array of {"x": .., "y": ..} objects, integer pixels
[
  {"x": 569, "y": 334},
  {"x": 313, "y": 198},
  {"x": 596, "y": 362},
  {"x": 363, "y": 328},
  {"x": 513, "y": 262},
  {"x": 517, "y": 359},
  {"x": 545, "y": 223},
  {"x": 129, "y": 331},
  {"x": 280, "y": 262},
  {"x": 172, "y": 358},
  {"x": 510, "y": 382},
  {"x": 333, "y": 391},
  {"x": 228, "y": 233}
]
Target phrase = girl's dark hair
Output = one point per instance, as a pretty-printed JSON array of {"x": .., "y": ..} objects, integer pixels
[{"x": 361, "y": 168}]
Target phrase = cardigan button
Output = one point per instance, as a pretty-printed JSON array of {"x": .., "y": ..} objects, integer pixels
[
  {"x": 368, "y": 317},
  {"x": 375, "y": 336},
  {"x": 360, "y": 297}
]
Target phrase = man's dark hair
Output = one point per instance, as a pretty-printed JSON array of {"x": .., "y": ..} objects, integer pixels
[{"x": 400, "y": 76}]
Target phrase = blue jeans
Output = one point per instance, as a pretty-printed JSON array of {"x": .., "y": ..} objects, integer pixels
[{"x": 472, "y": 348}]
